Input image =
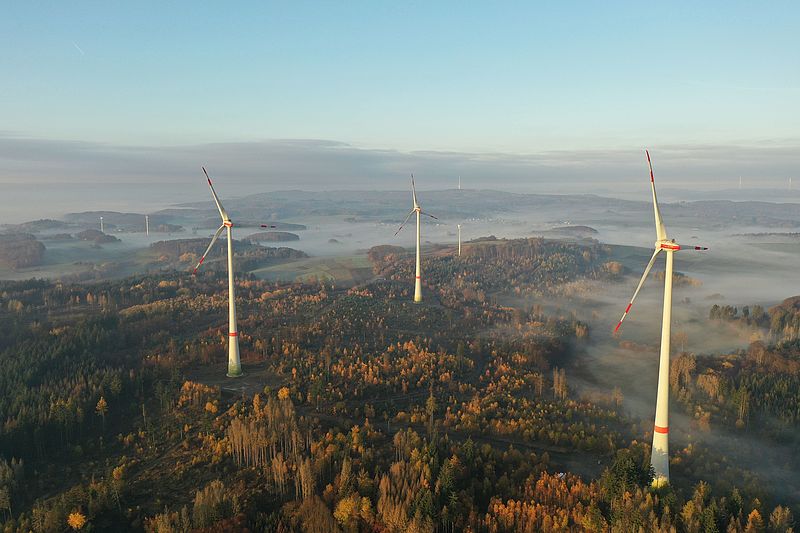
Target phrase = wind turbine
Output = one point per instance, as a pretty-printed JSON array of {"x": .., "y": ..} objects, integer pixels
[
  {"x": 418, "y": 210},
  {"x": 147, "y": 224},
  {"x": 659, "y": 458},
  {"x": 234, "y": 364},
  {"x": 102, "y": 228},
  {"x": 459, "y": 240}
]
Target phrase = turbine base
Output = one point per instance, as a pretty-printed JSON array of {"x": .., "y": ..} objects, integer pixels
[{"x": 660, "y": 481}]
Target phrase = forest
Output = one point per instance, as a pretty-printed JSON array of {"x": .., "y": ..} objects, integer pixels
[
  {"x": 20, "y": 250},
  {"x": 363, "y": 412}
]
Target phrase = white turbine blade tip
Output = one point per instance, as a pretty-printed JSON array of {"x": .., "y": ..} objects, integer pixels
[{"x": 627, "y": 310}]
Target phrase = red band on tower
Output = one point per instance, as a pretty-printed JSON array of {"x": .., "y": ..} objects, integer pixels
[
  {"x": 234, "y": 334},
  {"x": 659, "y": 429}
]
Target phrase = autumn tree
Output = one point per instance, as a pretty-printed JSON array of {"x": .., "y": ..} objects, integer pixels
[
  {"x": 559, "y": 383},
  {"x": 781, "y": 520},
  {"x": 101, "y": 409},
  {"x": 76, "y": 520}
]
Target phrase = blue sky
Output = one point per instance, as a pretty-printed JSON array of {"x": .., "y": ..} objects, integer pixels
[
  {"x": 469, "y": 77},
  {"x": 448, "y": 75}
]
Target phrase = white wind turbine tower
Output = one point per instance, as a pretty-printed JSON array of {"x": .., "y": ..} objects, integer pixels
[
  {"x": 459, "y": 240},
  {"x": 418, "y": 210},
  {"x": 102, "y": 228},
  {"x": 147, "y": 224},
  {"x": 659, "y": 458},
  {"x": 234, "y": 364}
]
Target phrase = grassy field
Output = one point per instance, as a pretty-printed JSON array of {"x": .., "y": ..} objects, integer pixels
[{"x": 345, "y": 270}]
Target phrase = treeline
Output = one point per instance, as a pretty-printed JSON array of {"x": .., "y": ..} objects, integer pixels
[
  {"x": 522, "y": 266},
  {"x": 782, "y": 321},
  {"x": 184, "y": 253},
  {"x": 755, "y": 316}
]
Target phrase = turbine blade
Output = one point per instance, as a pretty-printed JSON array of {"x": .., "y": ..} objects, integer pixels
[
  {"x": 413, "y": 190},
  {"x": 222, "y": 212},
  {"x": 213, "y": 240},
  {"x": 428, "y": 215},
  {"x": 638, "y": 287},
  {"x": 661, "y": 231},
  {"x": 404, "y": 222}
]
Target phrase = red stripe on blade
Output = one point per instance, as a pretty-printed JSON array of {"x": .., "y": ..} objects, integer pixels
[{"x": 628, "y": 308}]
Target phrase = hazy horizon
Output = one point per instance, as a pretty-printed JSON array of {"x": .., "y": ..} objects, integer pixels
[{"x": 49, "y": 178}]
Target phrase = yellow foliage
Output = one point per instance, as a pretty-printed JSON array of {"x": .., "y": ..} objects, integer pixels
[
  {"x": 76, "y": 520},
  {"x": 283, "y": 393},
  {"x": 346, "y": 508},
  {"x": 102, "y": 406},
  {"x": 366, "y": 508}
]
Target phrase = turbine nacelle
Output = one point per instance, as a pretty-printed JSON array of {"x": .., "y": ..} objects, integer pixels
[
  {"x": 667, "y": 245},
  {"x": 415, "y": 207},
  {"x": 674, "y": 246}
]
